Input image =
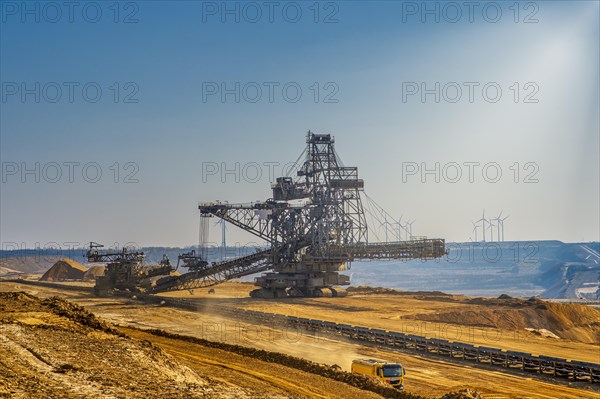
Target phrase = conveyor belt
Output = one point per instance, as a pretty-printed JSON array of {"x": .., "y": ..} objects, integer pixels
[
  {"x": 412, "y": 249},
  {"x": 545, "y": 365},
  {"x": 218, "y": 272}
]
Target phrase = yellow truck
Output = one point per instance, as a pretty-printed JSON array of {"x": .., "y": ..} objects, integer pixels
[{"x": 387, "y": 373}]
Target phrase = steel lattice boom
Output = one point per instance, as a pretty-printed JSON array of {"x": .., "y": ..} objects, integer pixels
[
  {"x": 219, "y": 272},
  {"x": 315, "y": 224}
]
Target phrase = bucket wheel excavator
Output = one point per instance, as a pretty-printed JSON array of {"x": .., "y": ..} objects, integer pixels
[{"x": 314, "y": 225}]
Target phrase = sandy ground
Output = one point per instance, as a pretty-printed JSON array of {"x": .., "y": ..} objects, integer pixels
[
  {"x": 398, "y": 313},
  {"x": 51, "y": 349},
  {"x": 250, "y": 373},
  {"x": 425, "y": 376}
]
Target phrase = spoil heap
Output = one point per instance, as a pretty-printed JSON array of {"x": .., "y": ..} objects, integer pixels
[
  {"x": 93, "y": 272},
  {"x": 65, "y": 269}
]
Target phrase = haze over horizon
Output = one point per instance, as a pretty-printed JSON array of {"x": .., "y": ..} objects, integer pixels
[{"x": 170, "y": 131}]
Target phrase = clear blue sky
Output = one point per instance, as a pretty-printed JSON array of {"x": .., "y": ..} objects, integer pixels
[{"x": 363, "y": 56}]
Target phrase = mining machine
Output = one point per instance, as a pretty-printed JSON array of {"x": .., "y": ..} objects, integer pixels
[
  {"x": 125, "y": 270},
  {"x": 314, "y": 225}
]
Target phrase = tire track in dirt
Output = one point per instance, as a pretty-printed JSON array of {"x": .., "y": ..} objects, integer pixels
[
  {"x": 270, "y": 379},
  {"x": 284, "y": 378}
]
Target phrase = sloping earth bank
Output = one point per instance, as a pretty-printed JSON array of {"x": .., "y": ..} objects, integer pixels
[{"x": 53, "y": 348}]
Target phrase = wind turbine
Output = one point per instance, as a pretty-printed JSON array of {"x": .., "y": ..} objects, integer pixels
[
  {"x": 475, "y": 230},
  {"x": 501, "y": 221},
  {"x": 399, "y": 224},
  {"x": 409, "y": 227},
  {"x": 498, "y": 220},
  {"x": 385, "y": 225},
  {"x": 491, "y": 227},
  {"x": 483, "y": 220}
]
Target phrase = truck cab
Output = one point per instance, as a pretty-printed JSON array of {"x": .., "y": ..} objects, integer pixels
[{"x": 387, "y": 373}]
